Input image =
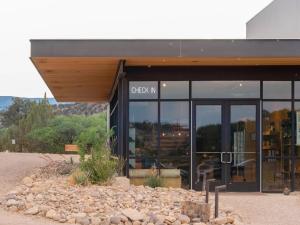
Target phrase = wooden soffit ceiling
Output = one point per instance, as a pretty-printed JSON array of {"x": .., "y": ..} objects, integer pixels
[{"x": 85, "y": 70}]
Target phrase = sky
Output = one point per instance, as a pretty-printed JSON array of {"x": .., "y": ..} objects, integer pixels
[{"x": 22, "y": 20}]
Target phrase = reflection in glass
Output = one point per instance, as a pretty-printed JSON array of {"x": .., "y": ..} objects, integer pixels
[
  {"x": 243, "y": 143},
  {"x": 174, "y": 89},
  {"x": 277, "y": 89},
  {"x": 276, "y": 150},
  {"x": 208, "y": 142},
  {"x": 225, "y": 89},
  {"x": 297, "y": 146},
  {"x": 143, "y": 118},
  {"x": 297, "y": 90},
  {"x": 174, "y": 140}
]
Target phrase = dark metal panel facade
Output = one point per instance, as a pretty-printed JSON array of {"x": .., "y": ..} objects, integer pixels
[{"x": 165, "y": 48}]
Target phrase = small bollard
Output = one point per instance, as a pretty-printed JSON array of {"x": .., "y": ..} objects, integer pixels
[
  {"x": 217, "y": 189},
  {"x": 204, "y": 181},
  {"x": 207, "y": 189}
]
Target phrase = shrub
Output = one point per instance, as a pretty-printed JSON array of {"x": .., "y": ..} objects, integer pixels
[
  {"x": 154, "y": 181},
  {"x": 100, "y": 166},
  {"x": 79, "y": 177}
]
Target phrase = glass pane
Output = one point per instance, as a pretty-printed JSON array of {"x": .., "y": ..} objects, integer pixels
[
  {"x": 277, "y": 89},
  {"x": 174, "y": 151},
  {"x": 225, "y": 89},
  {"x": 243, "y": 128},
  {"x": 297, "y": 147},
  {"x": 297, "y": 89},
  {"x": 243, "y": 143},
  {"x": 143, "y": 89},
  {"x": 208, "y": 143},
  {"x": 174, "y": 89},
  {"x": 276, "y": 173},
  {"x": 276, "y": 145},
  {"x": 143, "y": 130},
  {"x": 208, "y": 164},
  {"x": 208, "y": 128},
  {"x": 243, "y": 167}
]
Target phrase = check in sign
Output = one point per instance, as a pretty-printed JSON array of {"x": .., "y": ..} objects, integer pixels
[{"x": 143, "y": 90}]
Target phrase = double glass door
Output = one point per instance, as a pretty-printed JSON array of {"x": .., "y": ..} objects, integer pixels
[{"x": 226, "y": 144}]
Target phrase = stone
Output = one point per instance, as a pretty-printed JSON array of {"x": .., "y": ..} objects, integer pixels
[
  {"x": 170, "y": 219},
  {"x": 51, "y": 214},
  {"x": 12, "y": 202},
  {"x": 199, "y": 223},
  {"x": 30, "y": 197},
  {"x": 115, "y": 219},
  {"x": 177, "y": 222},
  {"x": 28, "y": 181},
  {"x": 136, "y": 222},
  {"x": 80, "y": 215},
  {"x": 83, "y": 220},
  {"x": 196, "y": 209},
  {"x": 71, "y": 220},
  {"x": 122, "y": 183},
  {"x": 184, "y": 219},
  {"x": 95, "y": 221},
  {"x": 132, "y": 214},
  {"x": 32, "y": 211},
  {"x": 220, "y": 220},
  {"x": 286, "y": 191}
]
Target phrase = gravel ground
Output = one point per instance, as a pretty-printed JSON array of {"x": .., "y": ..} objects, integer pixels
[
  {"x": 13, "y": 168},
  {"x": 255, "y": 208}
]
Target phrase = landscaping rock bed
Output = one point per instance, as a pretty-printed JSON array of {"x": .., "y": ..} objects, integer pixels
[{"x": 52, "y": 196}]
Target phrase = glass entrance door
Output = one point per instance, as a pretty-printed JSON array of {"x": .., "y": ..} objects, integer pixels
[{"x": 225, "y": 144}]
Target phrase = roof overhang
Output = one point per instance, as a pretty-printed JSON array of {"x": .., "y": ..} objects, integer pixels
[{"x": 85, "y": 70}]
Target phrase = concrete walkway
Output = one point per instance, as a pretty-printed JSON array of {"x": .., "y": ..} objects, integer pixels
[{"x": 264, "y": 209}]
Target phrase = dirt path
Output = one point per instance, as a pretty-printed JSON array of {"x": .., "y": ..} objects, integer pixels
[{"x": 13, "y": 168}]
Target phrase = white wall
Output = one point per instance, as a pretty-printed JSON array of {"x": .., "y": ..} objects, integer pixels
[{"x": 279, "y": 20}]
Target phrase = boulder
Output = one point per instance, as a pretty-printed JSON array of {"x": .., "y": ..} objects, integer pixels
[
  {"x": 122, "y": 183},
  {"x": 115, "y": 219},
  {"x": 184, "y": 219},
  {"x": 83, "y": 220},
  {"x": 12, "y": 202},
  {"x": 32, "y": 211},
  {"x": 133, "y": 214},
  {"x": 51, "y": 214}
]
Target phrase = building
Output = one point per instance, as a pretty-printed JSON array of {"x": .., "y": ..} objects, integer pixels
[
  {"x": 279, "y": 20},
  {"x": 226, "y": 109}
]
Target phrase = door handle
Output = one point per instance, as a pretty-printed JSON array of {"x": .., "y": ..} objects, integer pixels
[{"x": 230, "y": 157}]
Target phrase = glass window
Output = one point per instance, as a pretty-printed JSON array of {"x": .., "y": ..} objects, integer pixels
[
  {"x": 143, "y": 134},
  {"x": 297, "y": 89},
  {"x": 243, "y": 143},
  {"x": 277, "y": 89},
  {"x": 276, "y": 148},
  {"x": 208, "y": 143},
  {"x": 143, "y": 89},
  {"x": 297, "y": 147},
  {"x": 174, "y": 89},
  {"x": 174, "y": 153},
  {"x": 225, "y": 89}
]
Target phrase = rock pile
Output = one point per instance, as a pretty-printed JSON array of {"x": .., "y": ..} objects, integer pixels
[{"x": 119, "y": 204}]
